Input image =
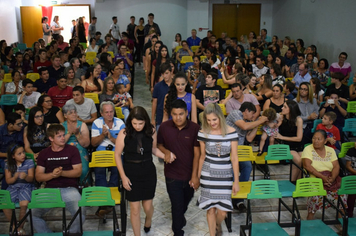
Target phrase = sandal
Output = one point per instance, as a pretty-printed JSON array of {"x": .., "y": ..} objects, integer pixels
[{"x": 259, "y": 153}]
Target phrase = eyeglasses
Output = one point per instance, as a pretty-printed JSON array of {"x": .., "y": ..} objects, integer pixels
[
  {"x": 304, "y": 89},
  {"x": 19, "y": 124},
  {"x": 39, "y": 117}
]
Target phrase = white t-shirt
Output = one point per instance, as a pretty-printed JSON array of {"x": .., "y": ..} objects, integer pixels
[
  {"x": 115, "y": 30},
  {"x": 31, "y": 100},
  {"x": 84, "y": 110},
  {"x": 56, "y": 26}
]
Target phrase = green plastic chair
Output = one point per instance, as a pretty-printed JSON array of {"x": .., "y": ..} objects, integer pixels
[
  {"x": 282, "y": 152},
  {"x": 6, "y": 203},
  {"x": 46, "y": 198},
  {"x": 315, "y": 124},
  {"x": 329, "y": 82},
  {"x": 96, "y": 197},
  {"x": 310, "y": 187},
  {"x": 262, "y": 189},
  {"x": 348, "y": 186},
  {"x": 350, "y": 125},
  {"x": 345, "y": 147},
  {"x": 265, "y": 53},
  {"x": 351, "y": 107},
  {"x": 32, "y": 157},
  {"x": 8, "y": 99}
]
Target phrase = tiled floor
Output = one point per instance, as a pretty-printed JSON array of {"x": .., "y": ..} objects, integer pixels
[{"x": 263, "y": 211}]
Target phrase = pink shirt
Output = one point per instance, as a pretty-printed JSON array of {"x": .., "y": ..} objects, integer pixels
[{"x": 345, "y": 69}]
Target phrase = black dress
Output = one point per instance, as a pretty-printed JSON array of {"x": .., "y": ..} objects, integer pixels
[
  {"x": 139, "y": 46},
  {"x": 81, "y": 33},
  {"x": 139, "y": 167},
  {"x": 51, "y": 116},
  {"x": 290, "y": 131}
]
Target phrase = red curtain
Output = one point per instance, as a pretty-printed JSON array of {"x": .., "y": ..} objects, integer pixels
[{"x": 47, "y": 11}]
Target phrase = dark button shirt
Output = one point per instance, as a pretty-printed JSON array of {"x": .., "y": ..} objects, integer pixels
[
  {"x": 55, "y": 74},
  {"x": 160, "y": 90},
  {"x": 6, "y": 139},
  {"x": 43, "y": 87},
  {"x": 181, "y": 143}
]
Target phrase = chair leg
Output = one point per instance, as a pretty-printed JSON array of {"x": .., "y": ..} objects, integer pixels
[{"x": 228, "y": 222}]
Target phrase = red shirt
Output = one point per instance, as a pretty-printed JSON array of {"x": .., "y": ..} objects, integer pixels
[
  {"x": 60, "y": 97},
  {"x": 333, "y": 132},
  {"x": 181, "y": 143},
  {"x": 130, "y": 44},
  {"x": 39, "y": 64},
  {"x": 63, "y": 46}
]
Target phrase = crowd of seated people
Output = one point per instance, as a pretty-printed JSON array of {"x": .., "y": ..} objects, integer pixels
[{"x": 263, "y": 74}]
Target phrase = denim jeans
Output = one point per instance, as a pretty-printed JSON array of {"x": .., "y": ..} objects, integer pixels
[
  {"x": 180, "y": 194},
  {"x": 70, "y": 196},
  {"x": 100, "y": 177}
]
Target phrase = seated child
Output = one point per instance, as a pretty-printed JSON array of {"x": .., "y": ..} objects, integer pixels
[
  {"x": 333, "y": 133},
  {"x": 270, "y": 128},
  {"x": 21, "y": 110},
  {"x": 350, "y": 159},
  {"x": 123, "y": 99},
  {"x": 19, "y": 175},
  {"x": 288, "y": 89},
  {"x": 28, "y": 97}
]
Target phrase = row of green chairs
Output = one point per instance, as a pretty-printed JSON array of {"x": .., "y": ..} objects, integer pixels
[{"x": 307, "y": 187}]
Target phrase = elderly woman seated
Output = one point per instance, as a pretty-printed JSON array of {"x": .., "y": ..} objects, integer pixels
[
  {"x": 321, "y": 162},
  {"x": 77, "y": 134}
]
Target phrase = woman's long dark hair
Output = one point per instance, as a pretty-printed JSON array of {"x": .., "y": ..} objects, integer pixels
[
  {"x": 294, "y": 112},
  {"x": 104, "y": 60},
  {"x": 220, "y": 50},
  {"x": 242, "y": 53},
  {"x": 31, "y": 128},
  {"x": 11, "y": 162},
  {"x": 139, "y": 113},
  {"x": 159, "y": 62},
  {"x": 316, "y": 81},
  {"x": 90, "y": 72},
  {"x": 172, "y": 92}
]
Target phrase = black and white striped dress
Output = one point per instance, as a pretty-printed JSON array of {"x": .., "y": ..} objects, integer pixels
[{"x": 216, "y": 176}]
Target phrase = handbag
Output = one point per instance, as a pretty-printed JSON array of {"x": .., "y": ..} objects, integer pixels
[{"x": 335, "y": 185}]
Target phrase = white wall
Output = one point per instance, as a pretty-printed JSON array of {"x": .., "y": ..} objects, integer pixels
[
  {"x": 266, "y": 12},
  {"x": 197, "y": 17},
  {"x": 328, "y": 24},
  {"x": 9, "y": 18},
  {"x": 170, "y": 15}
]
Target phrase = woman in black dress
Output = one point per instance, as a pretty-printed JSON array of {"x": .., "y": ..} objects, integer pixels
[
  {"x": 140, "y": 40},
  {"x": 80, "y": 30},
  {"x": 137, "y": 171}
]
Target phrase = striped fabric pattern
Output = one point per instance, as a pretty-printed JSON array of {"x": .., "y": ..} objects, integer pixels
[{"x": 216, "y": 176}]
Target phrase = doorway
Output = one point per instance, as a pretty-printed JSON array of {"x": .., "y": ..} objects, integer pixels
[{"x": 236, "y": 19}]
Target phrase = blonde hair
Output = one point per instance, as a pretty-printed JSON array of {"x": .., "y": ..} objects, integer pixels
[
  {"x": 213, "y": 108},
  {"x": 310, "y": 92}
]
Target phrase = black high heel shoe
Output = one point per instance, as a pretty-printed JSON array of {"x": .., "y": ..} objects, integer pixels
[{"x": 146, "y": 229}]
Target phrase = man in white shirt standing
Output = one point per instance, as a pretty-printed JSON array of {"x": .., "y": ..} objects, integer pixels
[{"x": 115, "y": 30}]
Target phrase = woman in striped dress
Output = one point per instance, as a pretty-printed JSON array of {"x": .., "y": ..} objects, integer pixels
[{"x": 218, "y": 144}]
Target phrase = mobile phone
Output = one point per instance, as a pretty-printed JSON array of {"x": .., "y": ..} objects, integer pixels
[{"x": 331, "y": 101}]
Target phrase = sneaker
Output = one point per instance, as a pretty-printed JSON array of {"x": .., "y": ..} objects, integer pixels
[{"x": 242, "y": 208}]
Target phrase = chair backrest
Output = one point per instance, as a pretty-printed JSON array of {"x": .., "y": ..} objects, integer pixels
[
  {"x": 194, "y": 48},
  {"x": 33, "y": 76},
  {"x": 348, "y": 185},
  {"x": 223, "y": 108},
  {"x": 5, "y": 200},
  {"x": 315, "y": 124},
  {"x": 22, "y": 46},
  {"x": 245, "y": 153},
  {"x": 90, "y": 54},
  {"x": 119, "y": 114},
  {"x": 46, "y": 198},
  {"x": 202, "y": 58},
  {"x": 345, "y": 147},
  {"x": 351, "y": 107},
  {"x": 351, "y": 81},
  {"x": 186, "y": 59},
  {"x": 309, "y": 187},
  {"x": 247, "y": 52},
  {"x": 8, "y": 99},
  {"x": 221, "y": 83},
  {"x": 227, "y": 92},
  {"x": 7, "y": 78},
  {"x": 350, "y": 125},
  {"x": 177, "y": 48},
  {"x": 264, "y": 189},
  {"x": 31, "y": 156},
  {"x": 102, "y": 159},
  {"x": 93, "y": 96},
  {"x": 96, "y": 196},
  {"x": 265, "y": 52},
  {"x": 111, "y": 53},
  {"x": 278, "y": 152}
]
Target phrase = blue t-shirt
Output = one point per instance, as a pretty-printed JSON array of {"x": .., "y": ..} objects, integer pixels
[{"x": 160, "y": 90}]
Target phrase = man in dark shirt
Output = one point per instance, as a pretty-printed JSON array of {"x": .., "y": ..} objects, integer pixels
[
  {"x": 60, "y": 167},
  {"x": 209, "y": 93},
  {"x": 56, "y": 70},
  {"x": 130, "y": 30},
  {"x": 10, "y": 132},
  {"x": 73, "y": 50},
  {"x": 44, "y": 83},
  {"x": 289, "y": 58},
  {"x": 339, "y": 88},
  {"x": 150, "y": 24},
  {"x": 25, "y": 66},
  {"x": 177, "y": 139}
]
